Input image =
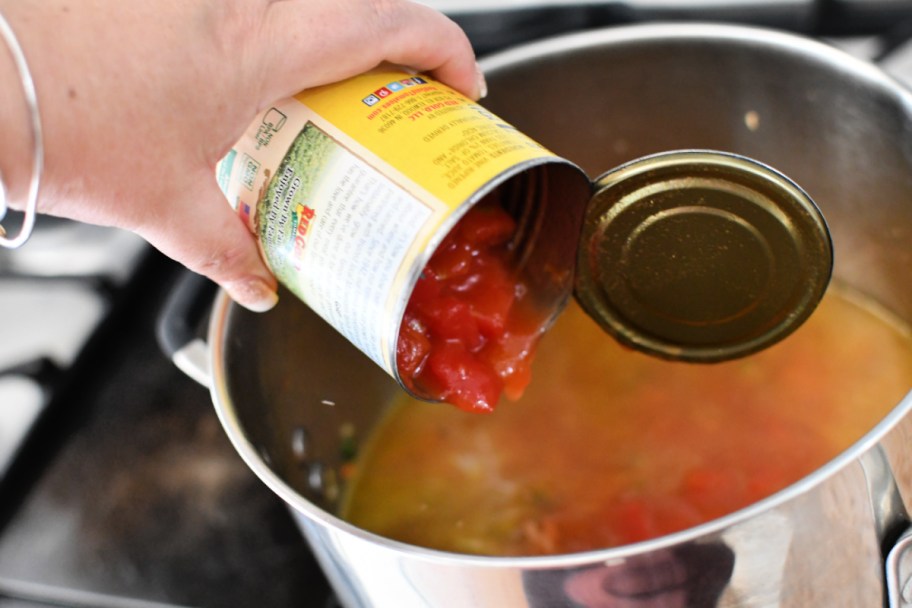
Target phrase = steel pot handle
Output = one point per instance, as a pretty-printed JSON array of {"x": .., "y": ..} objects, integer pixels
[
  {"x": 178, "y": 328},
  {"x": 899, "y": 572}
]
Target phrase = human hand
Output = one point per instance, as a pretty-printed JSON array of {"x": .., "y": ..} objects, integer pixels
[{"x": 140, "y": 100}]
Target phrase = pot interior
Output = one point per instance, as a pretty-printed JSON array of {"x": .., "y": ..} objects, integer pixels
[{"x": 301, "y": 395}]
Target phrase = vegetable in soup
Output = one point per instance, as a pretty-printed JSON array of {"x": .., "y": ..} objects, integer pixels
[{"x": 609, "y": 446}]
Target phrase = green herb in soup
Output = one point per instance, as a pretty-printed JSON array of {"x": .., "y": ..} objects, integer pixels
[{"x": 609, "y": 446}]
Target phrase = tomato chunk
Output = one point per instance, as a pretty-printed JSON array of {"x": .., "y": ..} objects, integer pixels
[
  {"x": 468, "y": 383},
  {"x": 453, "y": 259},
  {"x": 486, "y": 225},
  {"x": 469, "y": 331},
  {"x": 426, "y": 289},
  {"x": 492, "y": 298},
  {"x": 450, "y": 318},
  {"x": 413, "y": 346}
]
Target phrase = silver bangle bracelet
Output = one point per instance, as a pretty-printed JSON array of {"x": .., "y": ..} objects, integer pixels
[{"x": 31, "y": 99}]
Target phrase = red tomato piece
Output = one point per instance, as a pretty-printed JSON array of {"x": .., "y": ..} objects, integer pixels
[
  {"x": 452, "y": 260},
  {"x": 641, "y": 518},
  {"x": 635, "y": 521},
  {"x": 449, "y": 318},
  {"x": 427, "y": 289},
  {"x": 486, "y": 226},
  {"x": 413, "y": 346},
  {"x": 492, "y": 298},
  {"x": 765, "y": 482},
  {"x": 468, "y": 383},
  {"x": 714, "y": 490}
]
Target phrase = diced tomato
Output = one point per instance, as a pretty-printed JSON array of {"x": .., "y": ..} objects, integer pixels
[
  {"x": 640, "y": 518},
  {"x": 450, "y": 318},
  {"x": 486, "y": 226},
  {"x": 470, "y": 385},
  {"x": 426, "y": 289},
  {"x": 492, "y": 298},
  {"x": 635, "y": 521},
  {"x": 413, "y": 346},
  {"x": 469, "y": 333},
  {"x": 452, "y": 260},
  {"x": 714, "y": 490},
  {"x": 764, "y": 482}
]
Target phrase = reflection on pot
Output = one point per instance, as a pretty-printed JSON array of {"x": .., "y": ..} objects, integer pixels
[{"x": 692, "y": 575}]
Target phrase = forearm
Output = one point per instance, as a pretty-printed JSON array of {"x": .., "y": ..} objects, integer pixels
[
  {"x": 47, "y": 45},
  {"x": 66, "y": 46}
]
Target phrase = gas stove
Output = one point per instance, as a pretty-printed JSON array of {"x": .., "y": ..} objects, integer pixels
[{"x": 118, "y": 487}]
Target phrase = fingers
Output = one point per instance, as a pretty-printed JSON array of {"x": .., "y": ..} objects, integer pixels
[
  {"x": 206, "y": 236},
  {"x": 442, "y": 49},
  {"x": 324, "y": 41}
]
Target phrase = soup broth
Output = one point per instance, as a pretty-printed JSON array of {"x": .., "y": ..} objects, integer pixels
[{"x": 610, "y": 446}]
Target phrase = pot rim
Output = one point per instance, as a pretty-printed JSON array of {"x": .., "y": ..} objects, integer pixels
[
  {"x": 544, "y": 49},
  {"x": 744, "y": 35}
]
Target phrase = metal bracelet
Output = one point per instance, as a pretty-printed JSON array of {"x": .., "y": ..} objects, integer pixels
[{"x": 31, "y": 99}]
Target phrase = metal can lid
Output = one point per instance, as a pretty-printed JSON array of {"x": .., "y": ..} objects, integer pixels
[{"x": 701, "y": 256}]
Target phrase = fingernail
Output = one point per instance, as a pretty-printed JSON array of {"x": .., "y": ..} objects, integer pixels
[
  {"x": 255, "y": 295},
  {"x": 480, "y": 82}
]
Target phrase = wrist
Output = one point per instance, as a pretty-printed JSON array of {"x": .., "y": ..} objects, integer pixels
[
  {"x": 17, "y": 148},
  {"x": 10, "y": 194}
]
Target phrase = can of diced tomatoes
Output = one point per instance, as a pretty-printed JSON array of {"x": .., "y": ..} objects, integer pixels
[{"x": 351, "y": 187}]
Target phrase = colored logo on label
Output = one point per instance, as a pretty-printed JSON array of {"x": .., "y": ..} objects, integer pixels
[
  {"x": 393, "y": 87},
  {"x": 304, "y": 216}
]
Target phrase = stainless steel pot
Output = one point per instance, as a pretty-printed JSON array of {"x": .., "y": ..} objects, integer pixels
[{"x": 284, "y": 383}]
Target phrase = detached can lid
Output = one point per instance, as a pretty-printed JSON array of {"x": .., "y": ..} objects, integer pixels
[{"x": 701, "y": 256}]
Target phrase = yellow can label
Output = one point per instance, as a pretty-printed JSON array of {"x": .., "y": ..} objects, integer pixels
[
  {"x": 347, "y": 185},
  {"x": 447, "y": 144}
]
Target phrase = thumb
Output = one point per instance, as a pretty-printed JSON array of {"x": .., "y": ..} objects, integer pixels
[{"x": 203, "y": 233}]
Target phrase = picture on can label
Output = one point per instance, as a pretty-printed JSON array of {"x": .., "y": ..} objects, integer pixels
[
  {"x": 279, "y": 212},
  {"x": 318, "y": 214}
]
